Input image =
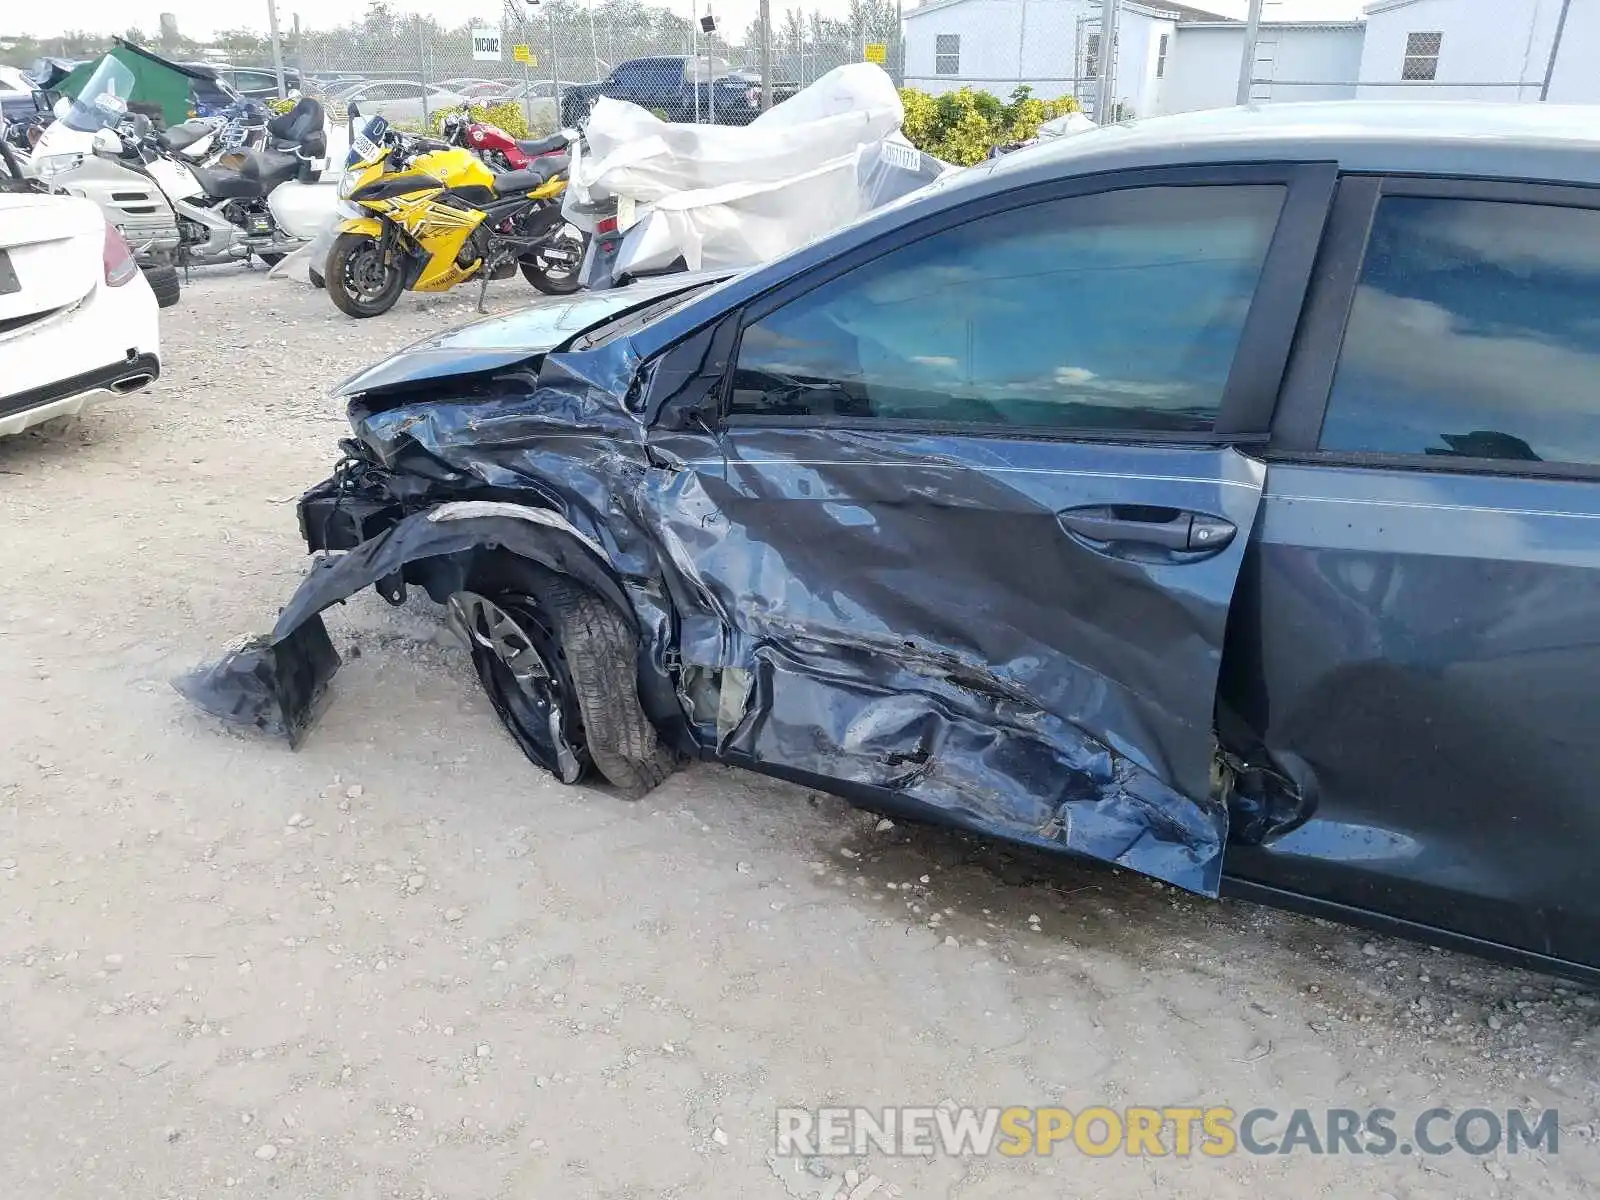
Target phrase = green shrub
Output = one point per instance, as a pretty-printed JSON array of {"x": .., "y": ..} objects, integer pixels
[
  {"x": 964, "y": 126},
  {"x": 508, "y": 115}
]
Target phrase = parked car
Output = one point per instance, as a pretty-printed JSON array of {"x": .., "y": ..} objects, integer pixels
[
  {"x": 21, "y": 101},
  {"x": 261, "y": 83},
  {"x": 1214, "y": 496},
  {"x": 476, "y": 90},
  {"x": 253, "y": 83},
  {"x": 209, "y": 93},
  {"x": 538, "y": 97},
  {"x": 678, "y": 87},
  {"x": 77, "y": 320},
  {"x": 401, "y": 100}
]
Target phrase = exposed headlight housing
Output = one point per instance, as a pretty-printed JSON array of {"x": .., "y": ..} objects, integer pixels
[{"x": 51, "y": 165}]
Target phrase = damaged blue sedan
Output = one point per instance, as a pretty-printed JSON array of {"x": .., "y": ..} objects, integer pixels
[{"x": 1217, "y": 496}]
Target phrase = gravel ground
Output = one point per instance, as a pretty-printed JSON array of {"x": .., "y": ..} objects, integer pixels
[{"x": 403, "y": 963}]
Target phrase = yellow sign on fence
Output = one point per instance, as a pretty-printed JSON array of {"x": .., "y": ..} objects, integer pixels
[
  {"x": 877, "y": 52},
  {"x": 524, "y": 55}
]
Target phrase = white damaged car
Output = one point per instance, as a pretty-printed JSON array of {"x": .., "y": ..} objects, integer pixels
[{"x": 78, "y": 321}]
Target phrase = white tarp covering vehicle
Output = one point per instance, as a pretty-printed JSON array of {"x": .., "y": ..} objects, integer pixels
[{"x": 719, "y": 196}]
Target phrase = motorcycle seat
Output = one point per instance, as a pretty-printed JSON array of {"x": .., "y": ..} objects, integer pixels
[
  {"x": 269, "y": 168},
  {"x": 180, "y": 137},
  {"x": 294, "y": 126},
  {"x": 225, "y": 185},
  {"x": 545, "y": 145},
  {"x": 536, "y": 175}
]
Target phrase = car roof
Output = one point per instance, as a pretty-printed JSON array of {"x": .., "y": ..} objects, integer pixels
[{"x": 1553, "y": 142}]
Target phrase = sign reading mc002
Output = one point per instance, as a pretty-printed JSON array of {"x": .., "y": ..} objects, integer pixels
[{"x": 485, "y": 44}]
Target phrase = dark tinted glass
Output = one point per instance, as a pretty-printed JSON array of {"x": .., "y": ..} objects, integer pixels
[
  {"x": 1475, "y": 333},
  {"x": 1118, "y": 311}
]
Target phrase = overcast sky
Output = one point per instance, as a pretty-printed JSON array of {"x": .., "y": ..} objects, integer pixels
[{"x": 201, "y": 18}]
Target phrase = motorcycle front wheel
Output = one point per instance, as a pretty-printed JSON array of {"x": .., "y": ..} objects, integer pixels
[
  {"x": 358, "y": 280},
  {"x": 557, "y": 276}
]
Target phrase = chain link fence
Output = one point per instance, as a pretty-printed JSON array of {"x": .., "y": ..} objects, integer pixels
[{"x": 550, "y": 61}]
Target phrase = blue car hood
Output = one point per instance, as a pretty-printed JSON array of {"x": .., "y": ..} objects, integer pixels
[{"x": 494, "y": 342}]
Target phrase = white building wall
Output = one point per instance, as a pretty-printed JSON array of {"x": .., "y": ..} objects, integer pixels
[
  {"x": 1203, "y": 65},
  {"x": 1491, "y": 49},
  {"x": 1040, "y": 43},
  {"x": 1138, "y": 45},
  {"x": 1202, "y": 69},
  {"x": 1003, "y": 43}
]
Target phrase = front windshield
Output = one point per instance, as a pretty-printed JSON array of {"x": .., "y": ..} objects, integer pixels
[{"x": 103, "y": 102}]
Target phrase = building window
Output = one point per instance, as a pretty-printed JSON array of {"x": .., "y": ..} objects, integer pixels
[
  {"x": 1161, "y": 57},
  {"x": 1422, "y": 56},
  {"x": 947, "y": 54}
]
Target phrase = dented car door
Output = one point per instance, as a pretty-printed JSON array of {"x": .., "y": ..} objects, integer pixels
[{"x": 955, "y": 524}]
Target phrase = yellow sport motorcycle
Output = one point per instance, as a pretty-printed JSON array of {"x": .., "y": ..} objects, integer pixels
[{"x": 432, "y": 216}]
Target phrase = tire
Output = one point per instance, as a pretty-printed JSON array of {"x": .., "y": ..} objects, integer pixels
[
  {"x": 563, "y": 283},
  {"x": 346, "y": 256},
  {"x": 592, "y": 658},
  {"x": 166, "y": 283},
  {"x": 271, "y": 259}
]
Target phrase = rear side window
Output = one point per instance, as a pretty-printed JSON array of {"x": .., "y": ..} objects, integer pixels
[
  {"x": 1474, "y": 333},
  {"x": 1116, "y": 311}
]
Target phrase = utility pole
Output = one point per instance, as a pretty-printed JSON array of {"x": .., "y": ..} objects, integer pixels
[
  {"x": 766, "y": 55},
  {"x": 1247, "y": 60},
  {"x": 277, "y": 47},
  {"x": 1105, "y": 85},
  {"x": 594, "y": 42},
  {"x": 1555, "y": 48}
]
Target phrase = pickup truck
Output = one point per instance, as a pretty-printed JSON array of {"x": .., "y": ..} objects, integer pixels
[{"x": 678, "y": 87}]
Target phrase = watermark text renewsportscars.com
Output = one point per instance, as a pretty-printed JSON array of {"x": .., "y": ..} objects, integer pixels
[{"x": 1213, "y": 1132}]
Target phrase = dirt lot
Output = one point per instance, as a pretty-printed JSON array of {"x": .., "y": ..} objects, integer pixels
[{"x": 403, "y": 963}]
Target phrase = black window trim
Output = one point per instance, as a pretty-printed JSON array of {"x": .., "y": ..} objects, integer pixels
[
  {"x": 1245, "y": 412},
  {"x": 1308, "y": 382}
]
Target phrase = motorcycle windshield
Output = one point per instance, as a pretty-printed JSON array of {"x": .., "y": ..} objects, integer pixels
[
  {"x": 367, "y": 143},
  {"x": 103, "y": 101}
]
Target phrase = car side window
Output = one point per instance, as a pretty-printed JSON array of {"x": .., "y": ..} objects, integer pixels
[
  {"x": 1120, "y": 310},
  {"x": 1473, "y": 334}
]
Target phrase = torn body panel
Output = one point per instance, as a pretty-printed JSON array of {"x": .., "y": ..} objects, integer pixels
[{"x": 900, "y": 618}]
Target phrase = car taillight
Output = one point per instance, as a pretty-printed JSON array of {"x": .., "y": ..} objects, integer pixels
[
  {"x": 606, "y": 225},
  {"x": 117, "y": 258}
]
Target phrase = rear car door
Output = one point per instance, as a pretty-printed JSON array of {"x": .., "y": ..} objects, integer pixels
[
  {"x": 960, "y": 531},
  {"x": 1417, "y": 633}
]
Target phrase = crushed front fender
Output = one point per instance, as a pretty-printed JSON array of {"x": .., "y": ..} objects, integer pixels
[{"x": 278, "y": 682}]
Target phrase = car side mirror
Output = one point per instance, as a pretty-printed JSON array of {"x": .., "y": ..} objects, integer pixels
[
  {"x": 61, "y": 108},
  {"x": 107, "y": 144}
]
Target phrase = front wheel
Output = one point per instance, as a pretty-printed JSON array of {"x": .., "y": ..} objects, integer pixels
[
  {"x": 359, "y": 281},
  {"x": 554, "y": 268},
  {"x": 561, "y": 667}
]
